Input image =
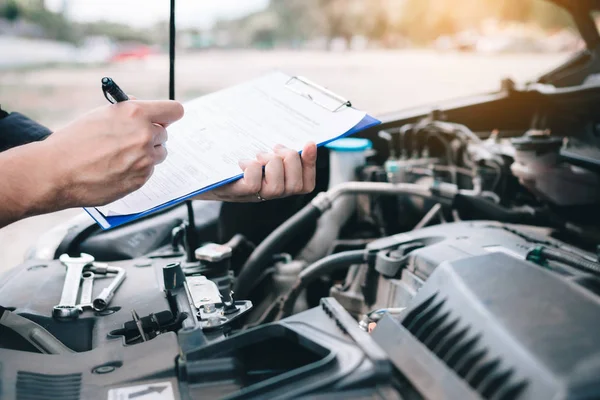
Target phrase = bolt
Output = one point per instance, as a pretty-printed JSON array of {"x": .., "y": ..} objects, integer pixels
[
  {"x": 105, "y": 369},
  {"x": 209, "y": 308},
  {"x": 142, "y": 264}
]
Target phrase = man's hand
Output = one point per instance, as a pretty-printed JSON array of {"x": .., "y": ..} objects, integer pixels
[
  {"x": 286, "y": 173},
  {"x": 111, "y": 151},
  {"x": 98, "y": 158}
]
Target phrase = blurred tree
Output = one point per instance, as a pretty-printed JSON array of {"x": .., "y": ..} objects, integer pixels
[
  {"x": 117, "y": 31},
  {"x": 549, "y": 16},
  {"x": 420, "y": 21},
  {"x": 10, "y": 11},
  {"x": 414, "y": 22},
  {"x": 345, "y": 18},
  {"x": 298, "y": 20},
  {"x": 516, "y": 10},
  {"x": 264, "y": 38},
  {"x": 425, "y": 20},
  {"x": 56, "y": 26},
  {"x": 379, "y": 23}
]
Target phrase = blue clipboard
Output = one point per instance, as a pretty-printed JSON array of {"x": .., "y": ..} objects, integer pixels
[{"x": 109, "y": 222}]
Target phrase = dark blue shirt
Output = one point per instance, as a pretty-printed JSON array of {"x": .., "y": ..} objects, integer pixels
[{"x": 16, "y": 130}]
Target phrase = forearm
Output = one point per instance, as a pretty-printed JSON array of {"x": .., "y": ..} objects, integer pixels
[{"x": 28, "y": 186}]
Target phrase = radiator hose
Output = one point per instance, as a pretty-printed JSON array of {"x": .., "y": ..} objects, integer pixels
[
  {"x": 320, "y": 268},
  {"x": 260, "y": 259}
]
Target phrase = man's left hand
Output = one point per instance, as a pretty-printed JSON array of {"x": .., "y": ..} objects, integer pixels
[{"x": 286, "y": 173}]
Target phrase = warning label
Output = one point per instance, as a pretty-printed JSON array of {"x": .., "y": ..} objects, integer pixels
[{"x": 151, "y": 391}]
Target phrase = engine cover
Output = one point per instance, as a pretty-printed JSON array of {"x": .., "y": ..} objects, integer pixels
[{"x": 487, "y": 323}]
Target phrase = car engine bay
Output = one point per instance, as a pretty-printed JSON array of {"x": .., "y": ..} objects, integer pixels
[{"x": 435, "y": 259}]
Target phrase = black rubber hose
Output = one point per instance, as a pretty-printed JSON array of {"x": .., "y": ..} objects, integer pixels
[
  {"x": 317, "y": 269},
  {"x": 274, "y": 243},
  {"x": 570, "y": 259},
  {"x": 477, "y": 207}
]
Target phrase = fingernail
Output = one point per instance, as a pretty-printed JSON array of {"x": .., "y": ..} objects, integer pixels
[
  {"x": 278, "y": 147},
  {"x": 244, "y": 164}
]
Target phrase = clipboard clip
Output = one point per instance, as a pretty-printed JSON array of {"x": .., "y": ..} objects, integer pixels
[{"x": 338, "y": 102}]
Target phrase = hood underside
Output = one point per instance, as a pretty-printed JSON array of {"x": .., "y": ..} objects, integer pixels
[{"x": 578, "y": 5}]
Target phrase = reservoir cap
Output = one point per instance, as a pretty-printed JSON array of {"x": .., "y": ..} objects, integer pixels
[{"x": 350, "y": 144}]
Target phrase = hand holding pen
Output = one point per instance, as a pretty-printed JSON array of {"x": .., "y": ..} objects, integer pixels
[{"x": 108, "y": 152}]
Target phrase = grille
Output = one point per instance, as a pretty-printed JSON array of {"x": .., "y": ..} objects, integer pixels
[
  {"x": 32, "y": 386},
  {"x": 460, "y": 349}
]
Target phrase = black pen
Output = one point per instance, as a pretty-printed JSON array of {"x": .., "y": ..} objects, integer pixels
[{"x": 112, "y": 91}]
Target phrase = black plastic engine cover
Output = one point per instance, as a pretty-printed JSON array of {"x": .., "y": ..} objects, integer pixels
[
  {"x": 140, "y": 237},
  {"x": 497, "y": 327},
  {"x": 319, "y": 352}
]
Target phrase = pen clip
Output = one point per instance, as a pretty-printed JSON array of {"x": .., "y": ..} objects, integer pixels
[
  {"x": 342, "y": 102},
  {"x": 108, "y": 96}
]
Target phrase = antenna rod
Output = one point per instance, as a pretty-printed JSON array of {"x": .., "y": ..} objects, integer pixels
[
  {"x": 172, "y": 52},
  {"x": 190, "y": 236}
]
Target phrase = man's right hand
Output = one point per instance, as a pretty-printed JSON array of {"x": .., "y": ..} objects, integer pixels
[{"x": 109, "y": 152}]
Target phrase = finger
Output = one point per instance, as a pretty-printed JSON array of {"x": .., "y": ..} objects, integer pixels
[
  {"x": 309, "y": 167},
  {"x": 274, "y": 179},
  {"x": 160, "y": 154},
  {"x": 244, "y": 189},
  {"x": 251, "y": 183},
  {"x": 140, "y": 180},
  {"x": 132, "y": 97},
  {"x": 292, "y": 166},
  {"x": 163, "y": 112},
  {"x": 160, "y": 135}
]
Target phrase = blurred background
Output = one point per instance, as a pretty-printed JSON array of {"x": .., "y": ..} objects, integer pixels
[{"x": 384, "y": 55}]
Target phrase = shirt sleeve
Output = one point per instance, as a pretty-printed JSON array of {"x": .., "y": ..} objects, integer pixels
[{"x": 16, "y": 130}]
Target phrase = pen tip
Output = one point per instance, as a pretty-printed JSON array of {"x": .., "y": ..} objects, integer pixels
[{"x": 105, "y": 80}]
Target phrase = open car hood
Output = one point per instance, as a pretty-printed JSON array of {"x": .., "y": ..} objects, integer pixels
[
  {"x": 583, "y": 66},
  {"x": 579, "y": 4}
]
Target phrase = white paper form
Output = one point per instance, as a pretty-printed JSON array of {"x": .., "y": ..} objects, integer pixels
[{"x": 220, "y": 129}]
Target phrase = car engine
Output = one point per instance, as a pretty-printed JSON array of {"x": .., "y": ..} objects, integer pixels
[{"x": 432, "y": 261}]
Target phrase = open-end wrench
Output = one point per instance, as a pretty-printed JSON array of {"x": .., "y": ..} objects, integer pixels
[
  {"x": 67, "y": 308},
  {"x": 87, "y": 288}
]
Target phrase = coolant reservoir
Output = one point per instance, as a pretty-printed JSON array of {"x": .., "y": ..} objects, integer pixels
[{"x": 345, "y": 156}]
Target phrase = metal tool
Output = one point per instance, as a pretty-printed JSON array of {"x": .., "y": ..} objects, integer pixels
[
  {"x": 138, "y": 323},
  {"x": 67, "y": 308},
  {"x": 87, "y": 288},
  {"x": 101, "y": 302}
]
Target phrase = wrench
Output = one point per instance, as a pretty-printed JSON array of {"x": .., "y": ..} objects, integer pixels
[
  {"x": 101, "y": 302},
  {"x": 67, "y": 308},
  {"x": 87, "y": 287}
]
